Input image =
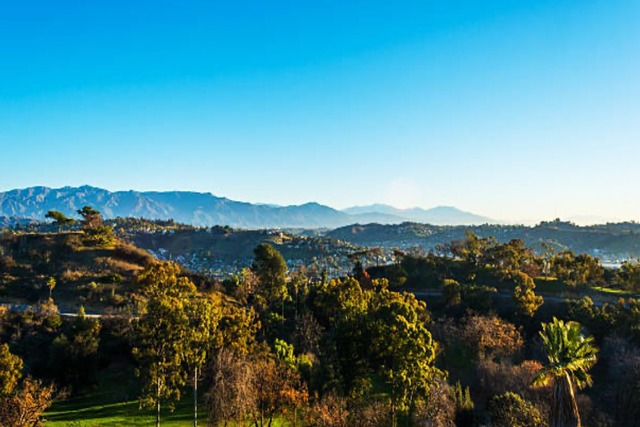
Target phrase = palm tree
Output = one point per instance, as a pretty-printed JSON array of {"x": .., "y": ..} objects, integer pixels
[{"x": 570, "y": 355}]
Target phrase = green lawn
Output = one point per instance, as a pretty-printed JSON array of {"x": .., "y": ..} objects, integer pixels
[
  {"x": 114, "y": 403},
  {"x": 616, "y": 292},
  {"x": 76, "y": 414}
]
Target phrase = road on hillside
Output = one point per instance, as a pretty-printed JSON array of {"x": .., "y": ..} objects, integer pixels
[
  {"x": 419, "y": 294},
  {"x": 547, "y": 298},
  {"x": 24, "y": 307}
]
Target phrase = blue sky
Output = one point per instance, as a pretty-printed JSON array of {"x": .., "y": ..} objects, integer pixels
[{"x": 512, "y": 109}]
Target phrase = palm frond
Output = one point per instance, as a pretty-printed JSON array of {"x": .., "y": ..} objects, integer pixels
[{"x": 569, "y": 352}]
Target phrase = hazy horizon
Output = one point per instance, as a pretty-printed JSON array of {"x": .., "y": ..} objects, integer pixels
[{"x": 519, "y": 112}]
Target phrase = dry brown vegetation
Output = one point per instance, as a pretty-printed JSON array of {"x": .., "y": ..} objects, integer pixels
[{"x": 79, "y": 267}]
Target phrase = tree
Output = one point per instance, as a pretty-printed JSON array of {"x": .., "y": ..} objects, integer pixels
[
  {"x": 10, "y": 370},
  {"x": 464, "y": 405},
  {"x": 230, "y": 396},
  {"x": 271, "y": 270},
  {"x": 3, "y": 318},
  {"x": 261, "y": 387},
  {"x": 404, "y": 348},
  {"x": 172, "y": 334},
  {"x": 577, "y": 270},
  {"x": 275, "y": 387},
  {"x": 490, "y": 337},
  {"x": 60, "y": 219},
  {"x": 73, "y": 358},
  {"x": 451, "y": 292},
  {"x": 499, "y": 377},
  {"x": 527, "y": 302},
  {"x": 238, "y": 327},
  {"x": 51, "y": 284},
  {"x": 242, "y": 285},
  {"x": 623, "y": 367},
  {"x": 438, "y": 408},
  {"x": 329, "y": 411},
  {"x": 93, "y": 227},
  {"x": 161, "y": 340},
  {"x": 204, "y": 315},
  {"x": 628, "y": 276},
  {"x": 24, "y": 407},
  {"x": 91, "y": 218},
  {"x": 164, "y": 278},
  {"x": 34, "y": 332},
  {"x": 570, "y": 356},
  {"x": 472, "y": 249}
]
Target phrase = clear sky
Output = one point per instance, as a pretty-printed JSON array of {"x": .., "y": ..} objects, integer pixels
[{"x": 511, "y": 109}]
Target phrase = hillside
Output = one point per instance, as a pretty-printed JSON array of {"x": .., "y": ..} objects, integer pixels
[
  {"x": 84, "y": 273},
  {"x": 222, "y": 251},
  {"x": 609, "y": 242},
  {"x": 216, "y": 252}
]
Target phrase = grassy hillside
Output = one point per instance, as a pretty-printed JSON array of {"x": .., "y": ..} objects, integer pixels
[{"x": 84, "y": 272}]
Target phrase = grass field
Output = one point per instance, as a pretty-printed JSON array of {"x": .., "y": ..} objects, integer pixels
[
  {"x": 114, "y": 403},
  {"x": 75, "y": 414}
]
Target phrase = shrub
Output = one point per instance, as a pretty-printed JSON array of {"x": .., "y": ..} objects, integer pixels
[{"x": 511, "y": 410}]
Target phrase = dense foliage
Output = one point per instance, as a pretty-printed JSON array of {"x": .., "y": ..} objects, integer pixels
[{"x": 270, "y": 345}]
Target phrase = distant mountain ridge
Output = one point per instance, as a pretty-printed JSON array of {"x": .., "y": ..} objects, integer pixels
[
  {"x": 440, "y": 215},
  {"x": 205, "y": 209}
]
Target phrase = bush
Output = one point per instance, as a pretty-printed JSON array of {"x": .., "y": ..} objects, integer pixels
[
  {"x": 511, "y": 410},
  {"x": 101, "y": 236},
  {"x": 499, "y": 378},
  {"x": 437, "y": 408},
  {"x": 330, "y": 411}
]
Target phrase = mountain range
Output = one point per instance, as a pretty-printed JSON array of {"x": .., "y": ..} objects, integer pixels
[
  {"x": 440, "y": 215},
  {"x": 205, "y": 209}
]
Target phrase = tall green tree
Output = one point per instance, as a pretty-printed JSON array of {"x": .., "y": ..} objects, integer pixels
[
  {"x": 161, "y": 340},
  {"x": 203, "y": 336},
  {"x": 271, "y": 269},
  {"x": 404, "y": 348},
  {"x": 570, "y": 356},
  {"x": 163, "y": 334}
]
